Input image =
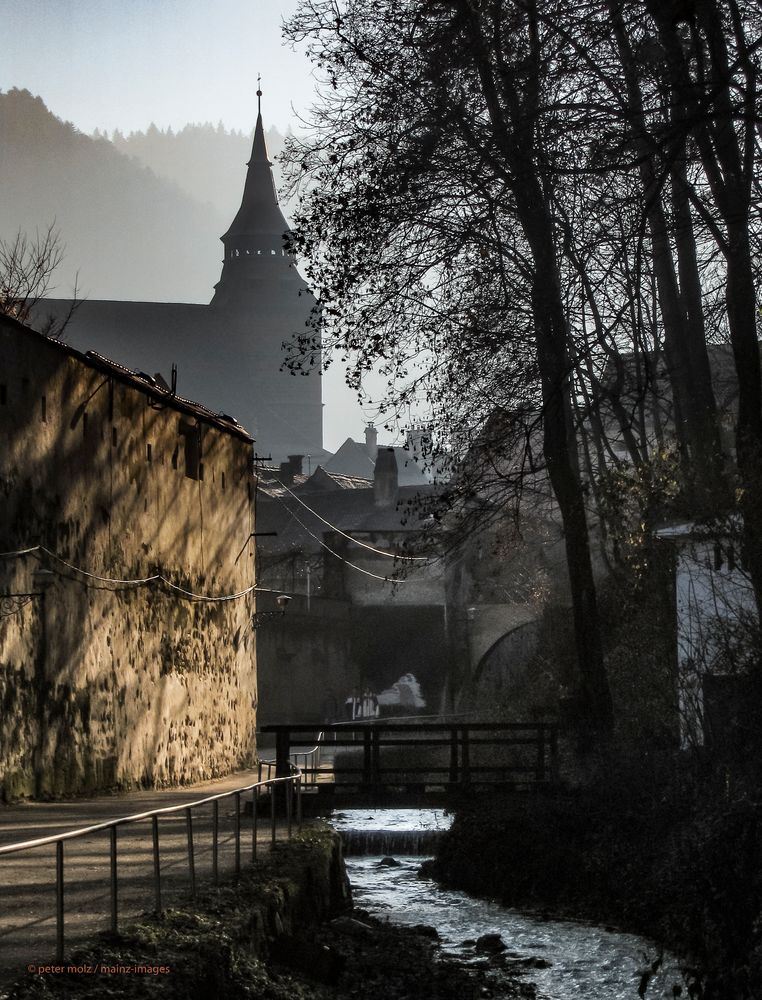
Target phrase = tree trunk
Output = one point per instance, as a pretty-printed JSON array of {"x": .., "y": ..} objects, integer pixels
[
  {"x": 728, "y": 173},
  {"x": 560, "y": 448},
  {"x": 684, "y": 341},
  {"x": 512, "y": 112}
]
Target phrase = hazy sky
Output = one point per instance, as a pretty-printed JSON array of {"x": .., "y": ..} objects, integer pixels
[{"x": 124, "y": 63}]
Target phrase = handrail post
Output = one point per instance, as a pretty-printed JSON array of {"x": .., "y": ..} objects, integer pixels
[
  {"x": 289, "y": 788},
  {"x": 375, "y": 756},
  {"x": 454, "y": 756},
  {"x": 156, "y": 862},
  {"x": 367, "y": 767},
  {"x": 465, "y": 757},
  {"x": 59, "y": 901},
  {"x": 191, "y": 858},
  {"x": 215, "y": 840},
  {"x": 272, "y": 814},
  {"x": 114, "y": 915},
  {"x": 254, "y": 799},
  {"x": 237, "y": 800},
  {"x": 540, "y": 773},
  {"x": 299, "y": 803}
]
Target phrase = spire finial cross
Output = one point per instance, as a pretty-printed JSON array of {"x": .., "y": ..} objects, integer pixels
[{"x": 259, "y": 94}]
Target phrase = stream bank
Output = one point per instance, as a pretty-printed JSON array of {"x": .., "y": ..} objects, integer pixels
[
  {"x": 681, "y": 868},
  {"x": 559, "y": 959},
  {"x": 284, "y": 931}
]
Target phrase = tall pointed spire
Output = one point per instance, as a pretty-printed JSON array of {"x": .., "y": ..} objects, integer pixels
[
  {"x": 254, "y": 243},
  {"x": 259, "y": 214}
]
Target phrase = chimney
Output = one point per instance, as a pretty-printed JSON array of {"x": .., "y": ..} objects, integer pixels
[
  {"x": 295, "y": 461},
  {"x": 371, "y": 441},
  {"x": 385, "y": 478},
  {"x": 286, "y": 473}
]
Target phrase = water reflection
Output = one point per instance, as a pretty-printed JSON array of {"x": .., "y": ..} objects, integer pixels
[{"x": 581, "y": 960}]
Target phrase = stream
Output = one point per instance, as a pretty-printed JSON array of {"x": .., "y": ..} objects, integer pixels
[{"x": 565, "y": 960}]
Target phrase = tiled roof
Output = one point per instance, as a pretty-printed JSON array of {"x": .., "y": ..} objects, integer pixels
[{"x": 144, "y": 383}]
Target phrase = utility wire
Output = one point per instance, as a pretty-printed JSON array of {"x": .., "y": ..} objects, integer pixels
[
  {"x": 364, "y": 545},
  {"x": 365, "y": 572},
  {"x": 137, "y": 582}
]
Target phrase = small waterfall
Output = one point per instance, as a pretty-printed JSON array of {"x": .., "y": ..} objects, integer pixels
[
  {"x": 389, "y": 842},
  {"x": 565, "y": 960}
]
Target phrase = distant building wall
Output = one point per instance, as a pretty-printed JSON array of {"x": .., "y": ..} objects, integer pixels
[
  {"x": 716, "y": 622},
  {"x": 306, "y": 669},
  {"x": 107, "y": 684}
]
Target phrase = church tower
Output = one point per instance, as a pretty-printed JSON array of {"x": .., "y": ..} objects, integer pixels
[
  {"x": 229, "y": 353},
  {"x": 261, "y": 303}
]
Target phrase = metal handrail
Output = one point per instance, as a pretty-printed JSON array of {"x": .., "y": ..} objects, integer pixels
[
  {"x": 295, "y": 779},
  {"x": 316, "y": 752},
  {"x": 309, "y": 774}
]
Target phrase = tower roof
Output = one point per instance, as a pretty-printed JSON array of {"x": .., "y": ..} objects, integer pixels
[{"x": 259, "y": 214}]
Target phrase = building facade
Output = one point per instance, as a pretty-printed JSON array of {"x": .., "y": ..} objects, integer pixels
[
  {"x": 369, "y": 609},
  {"x": 126, "y": 577}
]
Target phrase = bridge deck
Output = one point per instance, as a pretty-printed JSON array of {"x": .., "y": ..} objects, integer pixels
[{"x": 391, "y": 762}]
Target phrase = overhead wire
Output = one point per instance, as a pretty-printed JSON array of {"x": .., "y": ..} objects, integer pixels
[
  {"x": 365, "y": 572},
  {"x": 191, "y": 595},
  {"x": 356, "y": 541},
  {"x": 133, "y": 582}
]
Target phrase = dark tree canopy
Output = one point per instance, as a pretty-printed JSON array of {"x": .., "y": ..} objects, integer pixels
[{"x": 536, "y": 207}]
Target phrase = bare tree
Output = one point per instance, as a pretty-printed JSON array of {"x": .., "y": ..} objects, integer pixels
[
  {"x": 27, "y": 266},
  {"x": 548, "y": 210},
  {"x": 431, "y": 217}
]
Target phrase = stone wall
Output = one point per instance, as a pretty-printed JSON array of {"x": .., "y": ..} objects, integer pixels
[
  {"x": 106, "y": 684},
  {"x": 306, "y": 670}
]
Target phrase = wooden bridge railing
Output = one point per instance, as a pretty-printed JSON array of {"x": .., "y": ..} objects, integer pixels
[{"x": 382, "y": 754}]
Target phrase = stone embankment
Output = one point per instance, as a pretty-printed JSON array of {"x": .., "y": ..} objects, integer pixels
[
  {"x": 285, "y": 931},
  {"x": 681, "y": 867}
]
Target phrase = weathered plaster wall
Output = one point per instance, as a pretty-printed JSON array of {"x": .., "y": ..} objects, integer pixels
[
  {"x": 100, "y": 684},
  {"x": 304, "y": 659},
  {"x": 716, "y": 621}
]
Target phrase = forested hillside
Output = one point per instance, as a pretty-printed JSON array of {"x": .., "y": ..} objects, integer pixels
[
  {"x": 205, "y": 160},
  {"x": 140, "y": 217}
]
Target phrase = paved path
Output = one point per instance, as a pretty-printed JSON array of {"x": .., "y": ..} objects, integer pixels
[{"x": 27, "y": 880}]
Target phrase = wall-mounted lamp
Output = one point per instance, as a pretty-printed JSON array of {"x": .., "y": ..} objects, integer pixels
[
  {"x": 11, "y": 604},
  {"x": 260, "y": 617}
]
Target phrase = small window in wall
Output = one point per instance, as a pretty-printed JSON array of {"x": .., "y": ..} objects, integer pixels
[
  {"x": 44, "y": 409},
  {"x": 175, "y": 456},
  {"x": 191, "y": 434},
  {"x": 149, "y": 453},
  {"x": 222, "y": 479},
  {"x": 191, "y": 454},
  {"x": 3, "y": 395}
]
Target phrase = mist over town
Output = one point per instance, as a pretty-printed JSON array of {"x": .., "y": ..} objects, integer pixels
[{"x": 380, "y": 535}]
